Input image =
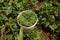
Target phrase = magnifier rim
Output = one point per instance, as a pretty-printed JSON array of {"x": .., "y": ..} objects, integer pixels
[{"x": 25, "y": 27}]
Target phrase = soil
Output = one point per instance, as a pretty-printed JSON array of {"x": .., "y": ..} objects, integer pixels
[
  {"x": 37, "y": 5},
  {"x": 45, "y": 34},
  {"x": 5, "y": 36}
]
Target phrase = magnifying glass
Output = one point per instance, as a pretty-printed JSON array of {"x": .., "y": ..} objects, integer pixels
[{"x": 26, "y": 20}]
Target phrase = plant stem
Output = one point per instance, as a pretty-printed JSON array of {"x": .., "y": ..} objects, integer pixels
[{"x": 21, "y": 34}]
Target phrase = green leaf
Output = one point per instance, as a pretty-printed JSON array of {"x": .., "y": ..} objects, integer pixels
[
  {"x": 1, "y": 1},
  {"x": 53, "y": 27}
]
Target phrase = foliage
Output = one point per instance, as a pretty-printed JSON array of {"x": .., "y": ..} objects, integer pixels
[
  {"x": 34, "y": 34},
  {"x": 48, "y": 14}
]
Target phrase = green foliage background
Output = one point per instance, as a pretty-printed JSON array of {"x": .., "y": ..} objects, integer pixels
[{"x": 48, "y": 14}]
